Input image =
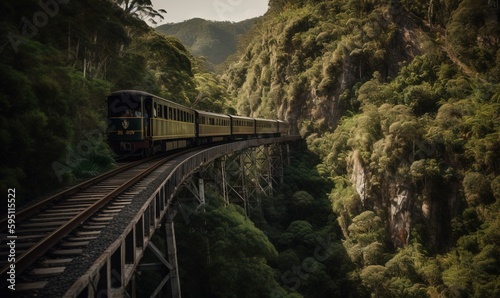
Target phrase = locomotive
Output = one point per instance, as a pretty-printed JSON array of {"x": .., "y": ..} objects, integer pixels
[{"x": 144, "y": 124}]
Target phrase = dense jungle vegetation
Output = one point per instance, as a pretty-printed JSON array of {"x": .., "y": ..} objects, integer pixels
[
  {"x": 59, "y": 60},
  {"x": 401, "y": 102},
  {"x": 395, "y": 192}
]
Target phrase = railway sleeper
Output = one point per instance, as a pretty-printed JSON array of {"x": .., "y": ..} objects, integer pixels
[
  {"x": 71, "y": 205},
  {"x": 87, "y": 233},
  {"x": 76, "y": 239},
  {"x": 44, "y": 224},
  {"x": 20, "y": 230},
  {"x": 67, "y": 252},
  {"x": 75, "y": 244},
  {"x": 47, "y": 271},
  {"x": 102, "y": 217},
  {"x": 46, "y": 218},
  {"x": 31, "y": 286},
  {"x": 69, "y": 211},
  {"x": 94, "y": 226},
  {"x": 55, "y": 262}
]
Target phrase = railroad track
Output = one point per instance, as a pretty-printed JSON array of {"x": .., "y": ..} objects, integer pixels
[{"x": 51, "y": 232}]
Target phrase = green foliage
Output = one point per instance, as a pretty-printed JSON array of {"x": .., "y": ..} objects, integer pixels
[
  {"x": 420, "y": 142},
  {"x": 215, "y": 41},
  {"x": 55, "y": 79},
  {"x": 231, "y": 258}
]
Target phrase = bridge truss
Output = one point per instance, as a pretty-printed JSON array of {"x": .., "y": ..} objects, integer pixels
[{"x": 241, "y": 172}]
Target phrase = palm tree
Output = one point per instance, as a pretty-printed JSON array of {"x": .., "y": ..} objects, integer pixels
[{"x": 141, "y": 9}]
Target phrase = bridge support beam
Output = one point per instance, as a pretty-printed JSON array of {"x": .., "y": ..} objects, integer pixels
[
  {"x": 175, "y": 284},
  {"x": 246, "y": 175}
]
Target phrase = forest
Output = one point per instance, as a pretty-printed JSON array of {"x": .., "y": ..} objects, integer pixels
[
  {"x": 395, "y": 189},
  {"x": 59, "y": 61},
  {"x": 211, "y": 40},
  {"x": 400, "y": 101}
]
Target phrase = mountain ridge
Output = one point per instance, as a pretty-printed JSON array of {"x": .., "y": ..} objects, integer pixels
[{"x": 214, "y": 40}]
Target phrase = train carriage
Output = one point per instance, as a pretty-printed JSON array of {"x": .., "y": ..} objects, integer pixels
[
  {"x": 212, "y": 127},
  {"x": 242, "y": 126},
  {"x": 265, "y": 127},
  {"x": 283, "y": 127},
  {"x": 141, "y": 122}
]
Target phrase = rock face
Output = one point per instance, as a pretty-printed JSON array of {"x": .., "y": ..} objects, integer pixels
[
  {"x": 397, "y": 201},
  {"x": 400, "y": 215},
  {"x": 309, "y": 64},
  {"x": 358, "y": 176},
  {"x": 303, "y": 64}
]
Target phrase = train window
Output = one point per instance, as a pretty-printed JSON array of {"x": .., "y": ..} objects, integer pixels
[{"x": 160, "y": 111}]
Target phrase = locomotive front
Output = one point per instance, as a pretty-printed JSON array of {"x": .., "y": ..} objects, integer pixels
[{"x": 128, "y": 120}]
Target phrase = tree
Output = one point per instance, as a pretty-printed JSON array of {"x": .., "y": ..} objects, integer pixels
[{"x": 141, "y": 9}]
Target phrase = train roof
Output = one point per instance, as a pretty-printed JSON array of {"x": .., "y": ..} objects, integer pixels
[
  {"x": 211, "y": 114},
  {"x": 133, "y": 92},
  {"x": 146, "y": 94},
  {"x": 241, "y": 117},
  {"x": 265, "y": 120}
]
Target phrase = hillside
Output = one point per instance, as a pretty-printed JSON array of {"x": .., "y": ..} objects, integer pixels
[
  {"x": 400, "y": 101},
  {"x": 395, "y": 189},
  {"x": 56, "y": 75},
  {"x": 210, "y": 39}
]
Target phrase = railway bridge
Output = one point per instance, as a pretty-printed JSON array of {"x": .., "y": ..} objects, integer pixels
[{"x": 107, "y": 269}]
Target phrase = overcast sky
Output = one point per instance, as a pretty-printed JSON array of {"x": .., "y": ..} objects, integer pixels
[{"x": 214, "y": 10}]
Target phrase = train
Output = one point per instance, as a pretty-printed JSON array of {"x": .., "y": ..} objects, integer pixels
[{"x": 144, "y": 124}]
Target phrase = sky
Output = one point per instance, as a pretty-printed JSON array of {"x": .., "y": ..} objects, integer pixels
[{"x": 213, "y": 10}]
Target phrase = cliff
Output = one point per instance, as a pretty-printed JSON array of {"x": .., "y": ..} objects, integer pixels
[{"x": 400, "y": 101}]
